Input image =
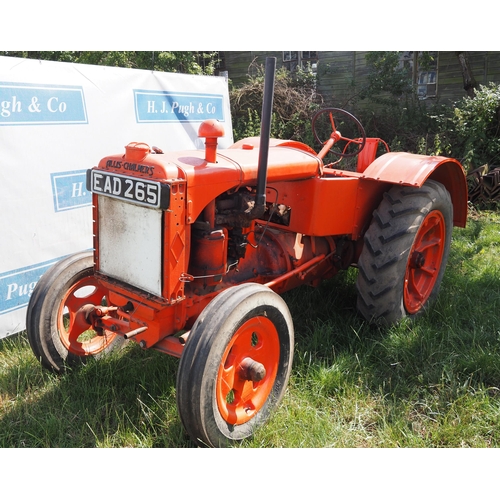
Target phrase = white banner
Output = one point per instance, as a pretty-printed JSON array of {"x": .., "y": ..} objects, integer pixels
[{"x": 56, "y": 121}]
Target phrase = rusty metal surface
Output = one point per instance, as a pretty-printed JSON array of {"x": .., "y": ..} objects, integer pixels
[{"x": 484, "y": 186}]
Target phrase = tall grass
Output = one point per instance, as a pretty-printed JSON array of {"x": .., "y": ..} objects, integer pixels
[{"x": 431, "y": 383}]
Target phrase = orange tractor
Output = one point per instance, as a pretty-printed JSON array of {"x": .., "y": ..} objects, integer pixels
[{"x": 192, "y": 250}]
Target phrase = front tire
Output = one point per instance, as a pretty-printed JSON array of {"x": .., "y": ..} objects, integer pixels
[
  {"x": 405, "y": 253},
  {"x": 236, "y": 365},
  {"x": 55, "y": 338}
]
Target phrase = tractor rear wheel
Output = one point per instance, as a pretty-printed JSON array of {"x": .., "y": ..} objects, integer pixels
[
  {"x": 56, "y": 339},
  {"x": 235, "y": 366},
  {"x": 405, "y": 253}
]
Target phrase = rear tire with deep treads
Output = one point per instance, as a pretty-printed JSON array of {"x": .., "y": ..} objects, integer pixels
[{"x": 405, "y": 252}]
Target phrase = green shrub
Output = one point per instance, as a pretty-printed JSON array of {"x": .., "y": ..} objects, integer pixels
[
  {"x": 469, "y": 130},
  {"x": 475, "y": 132},
  {"x": 295, "y": 100},
  {"x": 406, "y": 126}
]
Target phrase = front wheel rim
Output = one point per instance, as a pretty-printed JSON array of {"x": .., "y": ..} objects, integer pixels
[
  {"x": 240, "y": 394},
  {"x": 78, "y": 340},
  {"x": 424, "y": 262}
]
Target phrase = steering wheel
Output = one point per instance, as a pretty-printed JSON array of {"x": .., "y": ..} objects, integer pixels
[{"x": 326, "y": 124}]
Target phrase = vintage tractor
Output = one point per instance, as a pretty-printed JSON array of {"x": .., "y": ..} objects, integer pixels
[{"x": 192, "y": 250}]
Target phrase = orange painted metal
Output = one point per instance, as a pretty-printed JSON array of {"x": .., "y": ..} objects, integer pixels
[
  {"x": 211, "y": 130},
  {"x": 176, "y": 244},
  {"x": 340, "y": 203},
  {"x": 335, "y": 137},
  {"x": 77, "y": 333},
  {"x": 170, "y": 345},
  {"x": 413, "y": 170},
  {"x": 298, "y": 272},
  {"x": 323, "y": 214},
  {"x": 136, "y": 151},
  {"x": 369, "y": 152},
  {"x": 240, "y": 395},
  {"x": 424, "y": 263}
]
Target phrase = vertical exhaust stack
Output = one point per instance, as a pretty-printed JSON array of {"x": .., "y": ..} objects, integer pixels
[{"x": 265, "y": 132}]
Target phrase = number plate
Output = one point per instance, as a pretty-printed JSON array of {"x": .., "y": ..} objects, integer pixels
[{"x": 152, "y": 194}]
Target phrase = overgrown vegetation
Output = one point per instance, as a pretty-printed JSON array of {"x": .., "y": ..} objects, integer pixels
[
  {"x": 432, "y": 383},
  {"x": 387, "y": 104},
  {"x": 473, "y": 128},
  {"x": 469, "y": 130},
  {"x": 171, "y": 61},
  {"x": 388, "y": 107},
  {"x": 387, "y": 78},
  {"x": 295, "y": 101}
]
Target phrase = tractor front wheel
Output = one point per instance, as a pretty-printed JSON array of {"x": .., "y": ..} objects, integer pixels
[
  {"x": 57, "y": 335},
  {"x": 405, "y": 253},
  {"x": 235, "y": 366}
]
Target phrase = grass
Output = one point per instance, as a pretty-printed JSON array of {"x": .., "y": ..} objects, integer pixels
[{"x": 431, "y": 383}]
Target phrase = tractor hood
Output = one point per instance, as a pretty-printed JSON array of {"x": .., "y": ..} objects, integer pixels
[{"x": 233, "y": 168}]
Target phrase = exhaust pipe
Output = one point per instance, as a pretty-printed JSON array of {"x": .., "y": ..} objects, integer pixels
[
  {"x": 244, "y": 218},
  {"x": 265, "y": 133}
]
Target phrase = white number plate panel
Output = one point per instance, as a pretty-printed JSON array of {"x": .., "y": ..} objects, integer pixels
[{"x": 132, "y": 189}]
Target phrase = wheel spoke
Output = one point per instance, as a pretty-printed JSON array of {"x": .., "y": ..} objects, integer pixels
[
  {"x": 431, "y": 223},
  {"x": 332, "y": 122},
  {"x": 72, "y": 324},
  {"x": 431, "y": 232},
  {"x": 237, "y": 392},
  {"x": 228, "y": 378},
  {"x": 429, "y": 271},
  {"x": 325, "y": 122},
  {"x": 352, "y": 141},
  {"x": 76, "y": 333},
  {"x": 58, "y": 318},
  {"x": 238, "y": 396},
  {"x": 413, "y": 287},
  {"x": 74, "y": 330},
  {"x": 434, "y": 243},
  {"x": 73, "y": 303},
  {"x": 424, "y": 261}
]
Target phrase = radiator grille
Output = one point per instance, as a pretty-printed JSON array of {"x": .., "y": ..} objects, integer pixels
[{"x": 130, "y": 243}]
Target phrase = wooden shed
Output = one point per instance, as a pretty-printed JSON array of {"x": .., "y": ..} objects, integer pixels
[{"x": 342, "y": 75}]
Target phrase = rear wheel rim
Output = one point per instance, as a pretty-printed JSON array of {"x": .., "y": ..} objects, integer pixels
[
  {"x": 75, "y": 338},
  {"x": 238, "y": 397},
  {"x": 424, "y": 261}
]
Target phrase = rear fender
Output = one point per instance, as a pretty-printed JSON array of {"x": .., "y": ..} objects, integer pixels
[{"x": 413, "y": 170}]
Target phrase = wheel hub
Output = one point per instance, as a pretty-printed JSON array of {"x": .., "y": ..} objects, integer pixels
[
  {"x": 252, "y": 370},
  {"x": 248, "y": 370},
  {"x": 425, "y": 261},
  {"x": 417, "y": 260},
  {"x": 77, "y": 314}
]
